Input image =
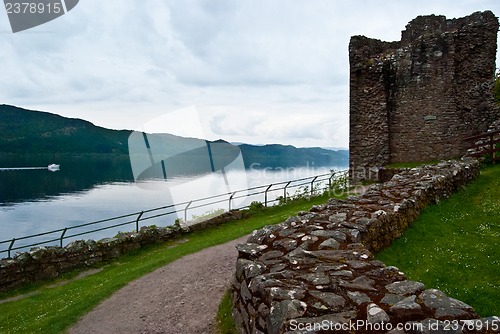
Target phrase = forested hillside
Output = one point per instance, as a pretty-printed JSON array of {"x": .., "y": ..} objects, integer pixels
[{"x": 31, "y": 132}]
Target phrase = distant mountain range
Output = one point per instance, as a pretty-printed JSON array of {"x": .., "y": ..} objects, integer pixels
[
  {"x": 275, "y": 155},
  {"x": 28, "y": 132}
]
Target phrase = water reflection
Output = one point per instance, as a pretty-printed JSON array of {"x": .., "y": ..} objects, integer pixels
[
  {"x": 76, "y": 174},
  {"x": 86, "y": 190}
]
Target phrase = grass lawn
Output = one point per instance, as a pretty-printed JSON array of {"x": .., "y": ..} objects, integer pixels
[
  {"x": 54, "y": 309},
  {"x": 454, "y": 246},
  {"x": 411, "y": 164}
]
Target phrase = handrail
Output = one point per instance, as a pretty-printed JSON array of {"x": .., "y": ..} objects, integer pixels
[
  {"x": 65, "y": 233},
  {"x": 478, "y": 136},
  {"x": 487, "y": 145}
]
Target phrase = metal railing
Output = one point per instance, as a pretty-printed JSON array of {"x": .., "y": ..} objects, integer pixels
[{"x": 58, "y": 236}]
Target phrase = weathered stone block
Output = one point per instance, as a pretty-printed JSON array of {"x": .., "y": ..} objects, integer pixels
[
  {"x": 347, "y": 278},
  {"x": 418, "y": 98}
]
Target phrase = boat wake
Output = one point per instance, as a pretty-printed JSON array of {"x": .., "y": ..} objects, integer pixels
[{"x": 51, "y": 167}]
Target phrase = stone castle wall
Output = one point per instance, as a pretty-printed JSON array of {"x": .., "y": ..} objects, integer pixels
[
  {"x": 418, "y": 98},
  {"x": 317, "y": 269},
  {"x": 43, "y": 263}
]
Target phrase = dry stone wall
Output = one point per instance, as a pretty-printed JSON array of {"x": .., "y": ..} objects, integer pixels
[
  {"x": 42, "y": 263},
  {"x": 317, "y": 269},
  {"x": 418, "y": 98}
]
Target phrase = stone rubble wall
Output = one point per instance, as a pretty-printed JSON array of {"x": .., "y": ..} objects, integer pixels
[
  {"x": 495, "y": 126},
  {"x": 42, "y": 263},
  {"x": 418, "y": 98},
  {"x": 318, "y": 267}
]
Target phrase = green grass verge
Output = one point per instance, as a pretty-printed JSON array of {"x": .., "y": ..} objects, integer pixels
[
  {"x": 225, "y": 323},
  {"x": 453, "y": 246},
  {"x": 54, "y": 309},
  {"x": 411, "y": 164}
]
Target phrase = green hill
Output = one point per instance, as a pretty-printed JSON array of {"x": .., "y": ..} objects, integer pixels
[
  {"x": 29, "y": 132},
  {"x": 280, "y": 155},
  {"x": 26, "y": 131}
]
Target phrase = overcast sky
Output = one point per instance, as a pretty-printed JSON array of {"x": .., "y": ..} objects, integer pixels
[{"x": 255, "y": 71}]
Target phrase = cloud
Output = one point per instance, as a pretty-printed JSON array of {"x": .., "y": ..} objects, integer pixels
[
  {"x": 255, "y": 44},
  {"x": 258, "y": 71},
  {"x": 284, "y": 124}
]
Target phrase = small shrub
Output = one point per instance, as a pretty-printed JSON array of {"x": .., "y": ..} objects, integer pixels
[
  {"x": 255, "y": 206},
  {"x": 207, "y": 215},
  {"x": 301, "y": 193},
  {"x": 282, "y": 200}
]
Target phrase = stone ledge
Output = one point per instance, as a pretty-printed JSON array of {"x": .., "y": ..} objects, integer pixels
[
  {"x": 43, "y": 263},
  {"x": 318, "y": 266}
]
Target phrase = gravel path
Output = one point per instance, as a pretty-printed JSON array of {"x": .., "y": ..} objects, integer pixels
[{"x": 180, "y": 298}]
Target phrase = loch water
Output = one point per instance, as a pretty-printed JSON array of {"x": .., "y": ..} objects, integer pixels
[{"x": 87, "y": 189}]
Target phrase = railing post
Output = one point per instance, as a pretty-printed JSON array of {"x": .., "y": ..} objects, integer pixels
[
  {"x": 265, "y": 196},
  {"x": 330, "y": 181},
  {"x": 230, "y": 199},
  {"x": 10, "y": 247},
  {"x": 284, "y": 190},
  {"x": 312, "y": 182},
  {"x": 139, "y": 215},
  {"x": 137, "y": 221},
  {"x": 186, "y": 211},
  {"x": 62, "y": 236}
]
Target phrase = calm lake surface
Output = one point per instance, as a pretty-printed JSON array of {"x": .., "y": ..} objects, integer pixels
[{"x": 87, "y": 190}]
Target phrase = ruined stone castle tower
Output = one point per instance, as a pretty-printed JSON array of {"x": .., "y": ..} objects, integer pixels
[{"x": 418, "y": 98}]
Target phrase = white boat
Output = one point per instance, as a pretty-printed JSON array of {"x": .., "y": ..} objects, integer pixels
[{"x": 53, "y": 167}]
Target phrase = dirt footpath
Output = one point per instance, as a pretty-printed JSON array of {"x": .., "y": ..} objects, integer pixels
[{"x": 180, "y": 298}]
